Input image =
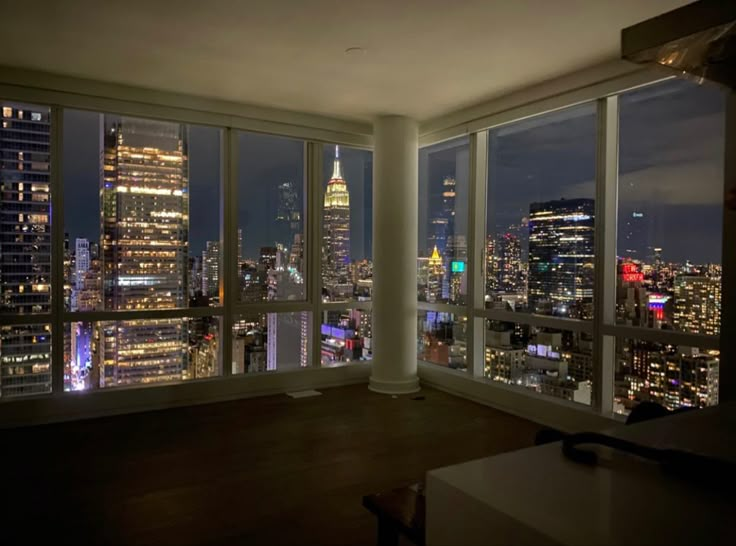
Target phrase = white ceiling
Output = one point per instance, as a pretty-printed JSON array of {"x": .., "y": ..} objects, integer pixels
[{"x": 424, "y": 57}]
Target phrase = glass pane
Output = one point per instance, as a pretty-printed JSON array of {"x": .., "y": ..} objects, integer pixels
[
  {"x": 25, "y": 360},
  {"x": 25, "y": 209},
  {"x": 552, "y": 362},
  {"x": 347, "y": 223},
  {"x": 442, "y": 339},
  {"x": 669, "y": 375},
  {"x": 443, "y": 222},
  {"x": 271, "y": 216},
  {"x": 267, "y": 342},
  {"x": 540, "y": 214},
  {"x": 140, "y": 352},
  {"x": 347, "y": 336},
  {"x": 134, "y": 237},
  {"x": 670, "y": 207}
]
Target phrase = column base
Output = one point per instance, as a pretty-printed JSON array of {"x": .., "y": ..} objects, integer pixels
[{"x": 406, "y": 386}]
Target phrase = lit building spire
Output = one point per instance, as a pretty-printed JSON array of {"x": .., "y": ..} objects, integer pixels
[
  {"x": 336, "y": 229},
  {"x": 337, "y": 168}
]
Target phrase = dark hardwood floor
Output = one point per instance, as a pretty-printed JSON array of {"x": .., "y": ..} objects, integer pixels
[{"x": 269, "y": 470}]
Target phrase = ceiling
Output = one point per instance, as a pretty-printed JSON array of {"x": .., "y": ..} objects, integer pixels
[{"x": 424, "y": 57}]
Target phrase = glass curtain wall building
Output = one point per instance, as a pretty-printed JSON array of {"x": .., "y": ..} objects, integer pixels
[
  {"x": 25, "y": 248},
  {"x": 144, "y": 249}
]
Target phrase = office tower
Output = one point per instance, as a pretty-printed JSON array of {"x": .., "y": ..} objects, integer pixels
[
  {"x": 508, "y": 264},
  {"x": 336, "y": 229},
  {"x": 282, "y": 282},
  {"x": 455, "y": 282},
  {"x": 698, "y": 304},
  {"x": 25, "y": 248},
  {"x": 81, "y": 261},
  {"x": 145, "y": 225},
  {"x": 443, "y": 225},
  {"x": 296, "y": 255},
  {"x": 288, "y": 211},
  {"x": 435, "y": 274},
  {"x": 194, "y": 282},
  {"x": 491, "y": 265},
  {"x": 561, "y": 257},
  {"x": 631, "y": 297},
  {"x": 443, "y": 237},
  {"x": 80, "y": 373},
  {"x": 503, "y": 361},
  {"x": 211, "y": 269},
  {"x": 287, "y": 336},
  {"x": 363, "y": 321}
]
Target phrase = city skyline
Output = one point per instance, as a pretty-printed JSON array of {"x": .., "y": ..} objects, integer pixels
[
  {"x": 539, "y": 246},
  {"x": 527, "y": 267},
  {"x": 141, "y": 159},
  {"x": 266, "y": 162}
]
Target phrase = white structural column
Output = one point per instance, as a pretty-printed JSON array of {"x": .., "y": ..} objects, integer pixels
[{"x": 395, "y": 229}]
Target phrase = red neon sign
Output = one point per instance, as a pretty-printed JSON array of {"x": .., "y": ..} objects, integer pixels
[{"x": 630, "y": 273}]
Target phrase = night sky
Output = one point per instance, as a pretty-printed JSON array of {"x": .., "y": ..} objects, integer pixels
[{"x": 671, "y": 155}]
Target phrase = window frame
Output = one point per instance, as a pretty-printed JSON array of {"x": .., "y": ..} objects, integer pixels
[
  {"x": 603, "y": 328},
  {"x": 230, "y": 119}
]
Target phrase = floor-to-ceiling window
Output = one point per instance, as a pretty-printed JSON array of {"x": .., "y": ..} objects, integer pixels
[
  {"x": 143, "y": 251},
  {"x": 581, "y": 260}
]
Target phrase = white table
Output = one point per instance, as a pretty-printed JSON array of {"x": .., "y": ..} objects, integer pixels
[{"x": 537, "y": 496}]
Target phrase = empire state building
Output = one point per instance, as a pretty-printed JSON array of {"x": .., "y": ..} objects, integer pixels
[{"x": 336, "y": 230}]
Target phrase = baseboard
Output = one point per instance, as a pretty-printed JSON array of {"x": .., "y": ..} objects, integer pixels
[
  {"x": 549, "y": 412},
  {"x": 87, "y": 405}
]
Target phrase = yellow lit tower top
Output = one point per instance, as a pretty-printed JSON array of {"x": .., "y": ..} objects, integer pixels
[
  {"x": 336, "y": 227},
  {"x": 337, "y": 189}
]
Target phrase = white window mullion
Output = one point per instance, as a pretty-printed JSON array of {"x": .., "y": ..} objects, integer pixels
[
  {"x": 727, "y": 372},
  {"x": 314, "y": 154},
  {"x": 604, "y": 293},
  {"x": 476, "y": 246},
  {"x": 230, "y": 289}
]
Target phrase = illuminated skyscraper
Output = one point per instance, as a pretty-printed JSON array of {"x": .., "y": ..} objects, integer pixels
[
  {"x": 456, "y": 279},
  {"x": 631, "y": 296},
  {"x": 211, "y": 269},
  {"x": 336, "y": 228},
  {"x": 145, "y": 225},
  {"x": 698, "y": 304},
  {"x": 435, "y": 274},
  {"x": 491, "y": 265},
  {"x": 561, "y": 257},
  {"x": 288, "y": 212},
  {"x": 508, "y": 264},
  {"x": 81, "y": 257},
  {"x": 443, "y": 225},
  {"x": 25, "y": 248},
  {"x": 287, "y": 341}
]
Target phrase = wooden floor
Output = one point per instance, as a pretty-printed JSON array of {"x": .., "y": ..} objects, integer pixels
[{"x": 268, "y": 470}]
